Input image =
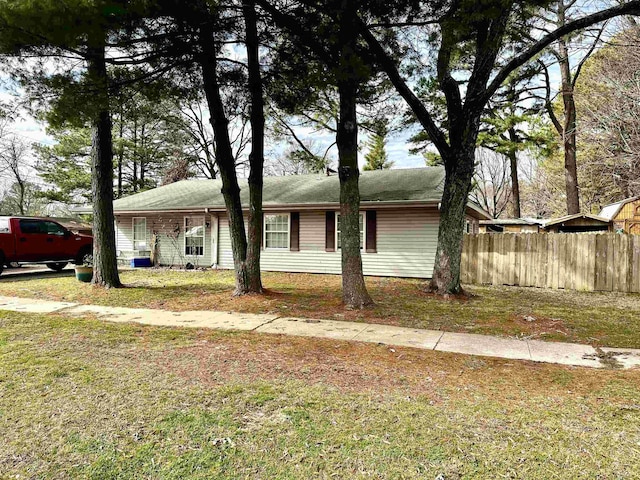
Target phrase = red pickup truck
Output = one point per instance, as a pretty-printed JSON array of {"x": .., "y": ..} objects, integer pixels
[{"x": 41, "y": 240}]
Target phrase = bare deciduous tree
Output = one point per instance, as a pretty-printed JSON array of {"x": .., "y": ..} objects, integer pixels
[
  {"x": 492, "y": 184},
  {"x": 201, "y": 148},
  {"x": 564, "y": 51},
  {"x": 607, "y": 100},
  {"x": 13, "y": 162}
]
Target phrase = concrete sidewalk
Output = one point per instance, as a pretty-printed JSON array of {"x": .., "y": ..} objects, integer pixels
[{"x": 466, "y": 343}]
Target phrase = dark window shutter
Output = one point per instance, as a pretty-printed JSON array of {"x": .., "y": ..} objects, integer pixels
[
  {"x": 262, "y": 234},
  {"x": 371, "y": 230},
  {"x": 330, "y": 232},
  {"x": 294, "y": 235}
]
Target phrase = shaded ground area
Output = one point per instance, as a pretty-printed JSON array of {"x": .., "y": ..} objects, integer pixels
[
  {"x": 600, "y": 319},
  {"x": 35, "y": 270},
  {"x": 81, "y": 398}
]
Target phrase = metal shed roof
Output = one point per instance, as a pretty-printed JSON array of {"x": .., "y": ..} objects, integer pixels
[{"x": 611, "y": 211}]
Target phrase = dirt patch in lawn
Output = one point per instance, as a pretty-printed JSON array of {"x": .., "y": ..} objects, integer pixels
[
  {"x": 215, "y": 360},
  {"x": 541, "y": 327}
]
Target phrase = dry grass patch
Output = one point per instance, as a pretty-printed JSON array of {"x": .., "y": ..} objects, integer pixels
[
  {"x": 601, "y": 319},
  {"x": 83, "y": 398}
]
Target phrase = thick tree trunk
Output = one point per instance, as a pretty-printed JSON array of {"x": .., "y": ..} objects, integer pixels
[
  {"x": 105, "y": 265},
  {"x": 457, "y": 185},
  {"x": 354, "y": 290},
  {"x": 569, "y": 131},
  {"x": 570, "y": 158},
  {"x": 515, "y": 181},
  {"x": 256, "y": 157},
  {"x": 225, "y": 161}
]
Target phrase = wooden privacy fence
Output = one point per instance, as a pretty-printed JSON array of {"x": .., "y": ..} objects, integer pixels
[{"x": 577, "y": 261}]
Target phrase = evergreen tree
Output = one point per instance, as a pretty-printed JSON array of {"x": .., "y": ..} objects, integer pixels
[
  {"x": 65, "y": 166},
  {"x": 80, "y": 30},
  {"x": 511, "y": 126},
  {"x": 198, "y": 33},
  {"x": 322, "y": 53},
  {"x": 376, "y": 158}
]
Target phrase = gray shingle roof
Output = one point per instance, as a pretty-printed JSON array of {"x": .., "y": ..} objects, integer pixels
[{"x": 401, "y": 185}]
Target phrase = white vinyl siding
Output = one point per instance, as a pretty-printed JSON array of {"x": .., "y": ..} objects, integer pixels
[
  {"x": 406, "y": 243},
  {"x": 406, "y": 246},
  {"x": 139, "y": 233},
  {"x": 276, "y": 231},
  {"x": 169, "y": 230},
  {"x": 194, "y": 236}
]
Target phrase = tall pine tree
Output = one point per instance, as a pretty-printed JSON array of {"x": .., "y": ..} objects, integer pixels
[{"x": 376, "y": 157}]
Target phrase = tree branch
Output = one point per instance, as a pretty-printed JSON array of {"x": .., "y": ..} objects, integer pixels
[
  {"x": 629, "y": 8},
  {"x": 587, "y": 55},
  {"x": 547, "y": 104},
  {"x": 436, "y": 135}
]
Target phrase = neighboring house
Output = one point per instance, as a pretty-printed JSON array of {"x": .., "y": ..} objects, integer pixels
[
  {"x": 624, "y": 214},
  {"x": 399, "y": 223},
  {"x": 75, "y": 225},
  {"x": 510, "y": 225},
  {"x": 577, "y": 223}
]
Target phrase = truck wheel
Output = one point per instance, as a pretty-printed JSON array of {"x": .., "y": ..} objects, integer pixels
[
  {"x": 57, "y": 266},
  {"x": 1, "y": 262},
  {"x": 85, "y": 256}
]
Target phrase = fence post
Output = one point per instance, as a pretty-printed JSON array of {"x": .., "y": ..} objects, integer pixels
[{"x": 634, "y": 267}]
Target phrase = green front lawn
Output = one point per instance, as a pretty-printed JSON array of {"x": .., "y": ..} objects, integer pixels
[
  {"x": 81, "y": 398},
  {"x": 602, "y": 319}
]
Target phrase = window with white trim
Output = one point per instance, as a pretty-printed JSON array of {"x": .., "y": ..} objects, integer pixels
[
  {"x": 276, "y": 231},
  {"x": 194, "y": 236},
  {"x": 362, "y": 231},
  {"x": 139, "y": 233}
]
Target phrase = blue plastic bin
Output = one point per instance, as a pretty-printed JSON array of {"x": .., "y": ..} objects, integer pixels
[{"x": 140, "y": 262}]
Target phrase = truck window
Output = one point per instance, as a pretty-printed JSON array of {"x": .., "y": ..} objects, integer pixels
[
  {"x": 31, "y": 226},
  {"x": 4, "y": 225},
  {"x": 53, "y": 228}
]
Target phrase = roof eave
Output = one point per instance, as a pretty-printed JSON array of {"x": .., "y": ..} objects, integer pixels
[
  {"x": 482, "y": 214},
  {"x": 287, "y": 207},
  {"x": 568, "y": 218}
]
